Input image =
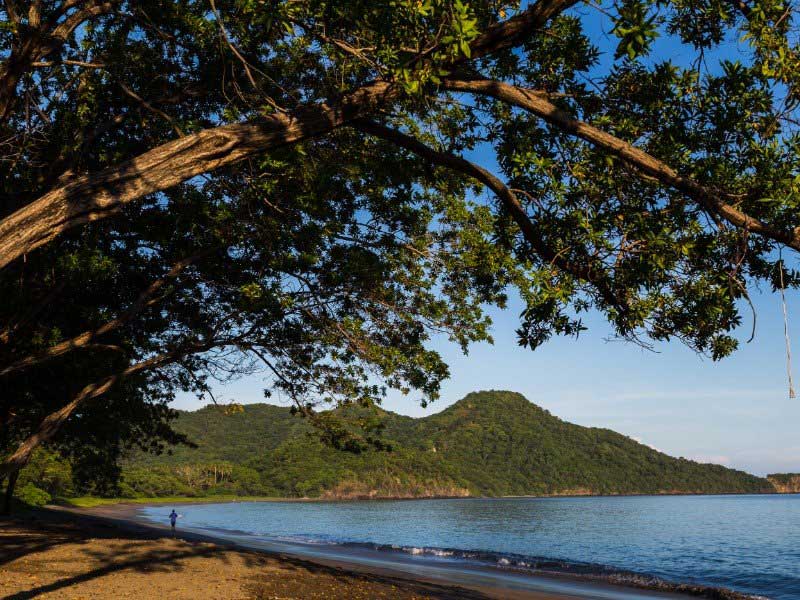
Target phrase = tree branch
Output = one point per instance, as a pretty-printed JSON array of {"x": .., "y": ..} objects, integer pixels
[
  {"x": 61, "y": 169},
  {"x": 35, "y": 14},
  {"x": 516, "y": 30},
  {"x": 741, "y": 6},
  {"x": 157, "y": 111},
  {"x": 710, "y": 199},
  {"x": 72, "y": 22},
  {"x": 11, "y": 11},
  {"x": 584, "y": 272},
  {"x": 66, "y": 61},
  {"x": 102, "y": 194},
  {"x": 98, "y": 195},
  {"x": 85, "y": 340},
  {"x": 52, "y": 423},
  {"x": 38, "y": 45}
]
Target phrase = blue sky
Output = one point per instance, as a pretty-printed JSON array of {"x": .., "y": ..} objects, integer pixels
[{"x": 736, "y": 412}]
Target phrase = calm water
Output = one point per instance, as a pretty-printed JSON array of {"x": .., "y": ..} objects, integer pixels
[{"x": 747, "y": 543}]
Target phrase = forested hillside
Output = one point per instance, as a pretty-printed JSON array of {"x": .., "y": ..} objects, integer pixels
[{"x": 489, "y": 443}]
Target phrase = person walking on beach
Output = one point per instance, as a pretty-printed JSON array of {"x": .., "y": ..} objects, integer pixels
[{"x": 173, "y": 518}]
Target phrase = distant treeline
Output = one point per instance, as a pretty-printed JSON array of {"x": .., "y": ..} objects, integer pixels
[{"x": 487, "y": 444}]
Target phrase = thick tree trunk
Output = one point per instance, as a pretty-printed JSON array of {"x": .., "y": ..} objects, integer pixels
[{"x": 98, "y": 195}]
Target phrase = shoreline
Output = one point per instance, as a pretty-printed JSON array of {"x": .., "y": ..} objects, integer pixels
[
  {"x": 483, "y": 579},
  {"x": 54, "y": 554},
  {"x": 88, "y": 502}
]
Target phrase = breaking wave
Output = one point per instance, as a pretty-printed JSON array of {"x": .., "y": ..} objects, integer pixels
[{"x": 550, "y": 566}]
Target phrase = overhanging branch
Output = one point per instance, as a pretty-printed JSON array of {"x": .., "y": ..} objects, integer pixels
[
  {"x": 99, "y": 195},
  {"x": 710, "y": 199},
  {"x": 585, "y": 272}
]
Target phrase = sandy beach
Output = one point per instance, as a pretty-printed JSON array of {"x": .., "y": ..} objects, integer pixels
[
  {"x": 50, "y": 555},
  {"x": 108, "y": 552}
]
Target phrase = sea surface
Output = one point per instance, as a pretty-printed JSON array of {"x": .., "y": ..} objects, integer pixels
[{"x": 750, "y": 544}]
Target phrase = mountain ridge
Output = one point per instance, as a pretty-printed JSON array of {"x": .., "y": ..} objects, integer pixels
[{"x": 489, "y": 443}]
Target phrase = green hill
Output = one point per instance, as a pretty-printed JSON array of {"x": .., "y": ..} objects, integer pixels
[{"x": 489, "y": 443}]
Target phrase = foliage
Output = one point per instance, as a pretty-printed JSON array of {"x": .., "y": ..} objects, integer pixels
[
  {"x": 94, "y": 501},
  {"x": 48, "y": 471},
  {"x": 32, "y": 495}
]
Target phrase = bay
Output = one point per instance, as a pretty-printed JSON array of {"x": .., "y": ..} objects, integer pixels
[{"x": 748, "y": 543}]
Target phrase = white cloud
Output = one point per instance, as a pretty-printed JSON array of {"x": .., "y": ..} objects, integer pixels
[
  {"x": 638, "y": 439},
  {"x": 717, "y": 459}
]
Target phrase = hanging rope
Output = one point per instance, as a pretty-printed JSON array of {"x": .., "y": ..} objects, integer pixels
[{"x": 786, "y": 337}]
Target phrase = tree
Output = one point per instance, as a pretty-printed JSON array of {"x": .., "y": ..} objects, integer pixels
[{"x": 289, "y": 181}]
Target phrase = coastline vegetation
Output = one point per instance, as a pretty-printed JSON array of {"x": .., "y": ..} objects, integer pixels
[
  {"x": 95, "y": 501},
  {"x": 491, "y": 443}
]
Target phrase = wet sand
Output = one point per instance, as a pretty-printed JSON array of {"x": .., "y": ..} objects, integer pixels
[{"x": 110, "y": 552}]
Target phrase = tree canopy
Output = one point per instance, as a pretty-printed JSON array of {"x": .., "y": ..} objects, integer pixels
[{"x": 196, "y": 189}]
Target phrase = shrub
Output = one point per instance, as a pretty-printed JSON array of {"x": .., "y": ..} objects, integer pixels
[
  {"x": 32, "y": 495},
  {"x": 48, "y": 471}
]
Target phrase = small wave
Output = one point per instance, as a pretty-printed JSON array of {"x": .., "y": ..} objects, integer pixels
[
  {"x": 502, "y": 559},
  {"x": 544, "y": 566},
  {"x": 311, "y": 541}
]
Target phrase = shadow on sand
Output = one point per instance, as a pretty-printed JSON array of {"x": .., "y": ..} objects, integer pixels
[{"x": 48, "y": 530}]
